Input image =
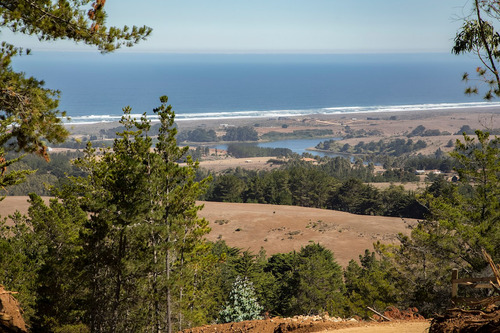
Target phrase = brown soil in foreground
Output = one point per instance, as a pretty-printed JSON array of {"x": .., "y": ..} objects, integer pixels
[
  {"x": 467, "y": 321},
  {"x": 306, "y": 326},
  {"x": 11, "y": 320},
  {"x": 284, "y": 228}
]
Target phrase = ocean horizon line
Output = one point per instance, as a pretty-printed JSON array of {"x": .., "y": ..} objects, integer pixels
[{"x": 94, "y": 119}]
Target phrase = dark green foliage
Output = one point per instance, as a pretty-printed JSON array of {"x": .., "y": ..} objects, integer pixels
[
  {"x": 249, "y": 150},
  {"x": 245, "y": 133},
  {"x": 373, "y": 284},
  {"x": 434, "y": 132},
  {"x": 465, "y": 129},
  {"x": 226, "y": 188},
  {"x": 360, "y": 133},
  {"x": 56, "y": 228},
  {"x": 309, "y": 281},
  {"x": 462, "y": 219},
  {"x": 355, "y": 197},
  {"x": 120, "y": 249},
  {"x": 398, "y": 202},
  {"x": 421, "y": 131},
  {"x": 397, "y": 147},
  {"x": 319, "y": 281},
  {"x": 113, "y": 195},
  {"x": 198, "y": 135},
  {"x": 309, "y": 186},
  {"x": 269, "y": 187},
  {"x": 46, "y": 174},
  {"x": 282, "y": 268},
  {"x": 46, "y": 249},
  {"x": 443, "y": 163},
  {"x": 297, "y": 134},
  {"x": 39, "y": 184},
  {"x": 28, "y": 116},
  {"x": 19, "y": 261}
]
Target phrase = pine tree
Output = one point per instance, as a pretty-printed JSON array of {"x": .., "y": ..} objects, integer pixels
[
  {"x": 319, "y": 280},
  {"x": 462, "y": 220},
  {"x": 29, "y": 117},
  {"x": 179, "y": 237},
  {"x": 144, "y": 253},
  {"x": 39, "y": 259},
  {"x": 114, "y": 194}
]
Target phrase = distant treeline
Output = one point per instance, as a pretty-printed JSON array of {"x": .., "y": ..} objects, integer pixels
[
  {"x": 297, "y": 134},
  {"x": 241, "y": 133},
  {"x": 334, "y": 185},
  {"x": 340, "y": 169},
  {"x": 45, "y": 174},
  {"x": 360, "y": 133},
  {"x": 397, "y": 147},
  {"x": 249, "y": 150},
  {"x": 420, "y": 130},
  {"x": 55, "y": 172}
]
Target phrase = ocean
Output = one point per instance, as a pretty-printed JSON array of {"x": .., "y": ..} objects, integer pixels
[{"x": 96, "y": 87}]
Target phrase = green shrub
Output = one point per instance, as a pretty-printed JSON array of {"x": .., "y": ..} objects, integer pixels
[{"x": 242, "y": 304}]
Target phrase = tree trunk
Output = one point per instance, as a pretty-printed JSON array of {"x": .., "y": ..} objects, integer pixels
[{"x": 169, "y": 296}]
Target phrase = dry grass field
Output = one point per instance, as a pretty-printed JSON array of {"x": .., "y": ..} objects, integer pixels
[{"x": 284, "y": 228}]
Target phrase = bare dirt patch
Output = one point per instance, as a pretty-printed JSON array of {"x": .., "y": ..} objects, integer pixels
[
  {"x": 251, "y": 163},
  {"x": 12, "y": 204},
  {"x": 407, "y": 186},
  {"x": 278, "y": 325},
  {"x": 392, "y": 327}
]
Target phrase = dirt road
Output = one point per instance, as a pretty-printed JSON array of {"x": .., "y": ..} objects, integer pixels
[{"x": 398, "y": 327}]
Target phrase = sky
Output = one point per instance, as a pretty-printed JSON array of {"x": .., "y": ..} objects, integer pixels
[{"x": 281, "y": 26}]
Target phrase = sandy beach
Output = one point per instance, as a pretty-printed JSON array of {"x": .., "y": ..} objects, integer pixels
[
  {"x": 374, "y": 126},
  {"x": 389, "y": 123}
]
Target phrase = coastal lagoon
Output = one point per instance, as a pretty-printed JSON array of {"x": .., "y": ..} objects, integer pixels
[{"x": 298, "y": 146}]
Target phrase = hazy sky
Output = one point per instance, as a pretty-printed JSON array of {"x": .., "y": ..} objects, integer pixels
[{"x": 283, "y": 26}]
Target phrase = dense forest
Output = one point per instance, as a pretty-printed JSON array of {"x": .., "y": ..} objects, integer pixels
[{"x": 335, "y": 185}]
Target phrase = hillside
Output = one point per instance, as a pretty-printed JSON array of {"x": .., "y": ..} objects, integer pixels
[
  {"x": 284, "y": 228},
  {"x": 288, "y": 228}
]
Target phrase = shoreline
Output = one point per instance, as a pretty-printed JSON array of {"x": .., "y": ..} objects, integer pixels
[
  {"x": 315, "y": 112},
  {"x": 310, "y": 120}
]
